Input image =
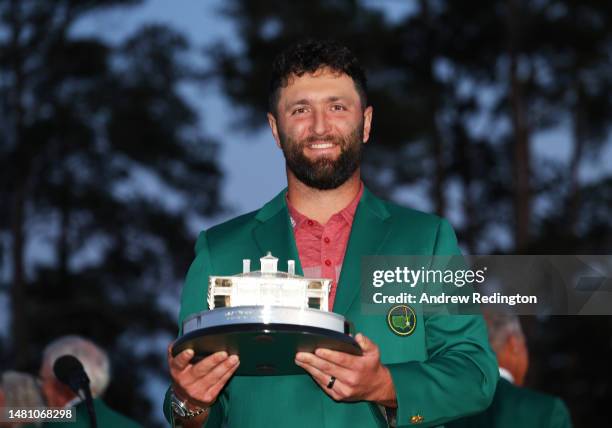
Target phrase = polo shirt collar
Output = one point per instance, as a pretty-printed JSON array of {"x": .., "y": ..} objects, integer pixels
[{"x": 347, "y": 213}]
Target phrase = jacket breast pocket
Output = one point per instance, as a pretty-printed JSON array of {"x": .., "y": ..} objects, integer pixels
[{"x": 396, "y": 344}]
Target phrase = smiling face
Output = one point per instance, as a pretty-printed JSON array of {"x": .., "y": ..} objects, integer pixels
[{"x": 320, "y": 125}]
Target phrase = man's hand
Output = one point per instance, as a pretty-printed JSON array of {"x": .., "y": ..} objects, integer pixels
[
  {"x": 200, "y": 383},
  {"x": 357, "y": 377}
]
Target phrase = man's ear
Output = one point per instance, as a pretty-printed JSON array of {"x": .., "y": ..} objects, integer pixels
[
  {"x": 513, "y": 344},
  {"x": 517, "y": 344},
  {"x": 367, "y": 123},
  {"x": 274, "y": 127}
]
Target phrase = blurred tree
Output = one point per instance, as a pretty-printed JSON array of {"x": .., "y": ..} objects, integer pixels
[
  {"x": 450, "y": 61},
  {"x": 577, "y": 37},
  {"x": 495, "y": 51},
  {"x": 518, "y": 27},
  {"x": 102, "y": 171}
]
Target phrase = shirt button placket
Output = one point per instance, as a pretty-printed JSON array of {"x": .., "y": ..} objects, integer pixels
[{"x": 325, "y": 254}]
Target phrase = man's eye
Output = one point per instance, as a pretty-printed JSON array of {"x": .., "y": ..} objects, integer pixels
[
  {"x": 338, "y": 107},
  {"x": 299, "y": 110}
]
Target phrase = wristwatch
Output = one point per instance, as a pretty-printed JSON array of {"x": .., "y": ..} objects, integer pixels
[{"x": 180, "y": 408}]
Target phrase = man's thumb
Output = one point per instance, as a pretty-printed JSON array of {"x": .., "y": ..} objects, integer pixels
[{"x": 365, "y": 344}]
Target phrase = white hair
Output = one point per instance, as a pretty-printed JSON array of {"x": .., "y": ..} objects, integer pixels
[
  {"x": 95, "y": 361},
  {"x": 20, "y": 390},
  {"x": 501, "y": 326}
]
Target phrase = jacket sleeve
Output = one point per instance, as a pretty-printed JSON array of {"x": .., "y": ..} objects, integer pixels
[
  {"x": 460, "y": 374},
  {"x": 193, "y": 300},
  {"x": 193, "y": 296}
]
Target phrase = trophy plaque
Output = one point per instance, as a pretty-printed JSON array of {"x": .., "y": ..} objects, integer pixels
[{"x": 265, "y": 317}]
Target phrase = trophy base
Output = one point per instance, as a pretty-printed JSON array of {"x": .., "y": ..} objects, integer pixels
[{"x": 265, "y": 348}]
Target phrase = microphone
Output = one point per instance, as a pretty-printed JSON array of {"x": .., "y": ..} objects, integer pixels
[{"x": 69, "y": 370}]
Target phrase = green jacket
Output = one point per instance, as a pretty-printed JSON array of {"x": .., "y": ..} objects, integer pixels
[
  {"x": 514, "y": 406},
  {"x": 444, "y": 370},
  {"x": 105, "y": 416}
]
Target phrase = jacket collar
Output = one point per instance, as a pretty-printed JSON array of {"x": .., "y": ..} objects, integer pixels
[
  {"x": 271, "y": 208},
  {"x": 279, "y": 203}
]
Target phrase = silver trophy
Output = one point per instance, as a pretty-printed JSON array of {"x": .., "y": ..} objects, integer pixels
[{"x": 265, "y": 317}]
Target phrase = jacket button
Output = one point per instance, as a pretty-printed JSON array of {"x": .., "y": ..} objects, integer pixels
[{"x": 416, "y": 419}]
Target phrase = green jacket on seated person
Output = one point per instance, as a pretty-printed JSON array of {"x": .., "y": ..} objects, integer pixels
[{"x": 515, "y": 406}]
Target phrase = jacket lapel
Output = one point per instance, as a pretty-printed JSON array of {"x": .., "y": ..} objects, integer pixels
[
  {"x": 369, "y": 231},
  {"x": 275, "y": 234}
]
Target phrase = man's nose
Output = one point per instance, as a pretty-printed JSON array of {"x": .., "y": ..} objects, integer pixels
[{"x": 320, "y": 123}]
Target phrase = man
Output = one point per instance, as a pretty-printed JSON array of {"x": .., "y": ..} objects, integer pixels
[
  {"x": 97, "y": 366},
  {"x": 513, "y": 405},
  {"x": 320, "y": 118},
  {"x": 18, "y": 390}
]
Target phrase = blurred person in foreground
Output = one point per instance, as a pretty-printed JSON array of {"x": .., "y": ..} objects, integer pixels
[
  {"x": 97, "y": 366},
  {"x": 514, "y": 405},
  {"x": 442, "y": 369},
  {"x": 18, "y": 391}
]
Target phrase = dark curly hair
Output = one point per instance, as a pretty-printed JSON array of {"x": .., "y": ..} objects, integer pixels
[{"x": 309, "y": 56}]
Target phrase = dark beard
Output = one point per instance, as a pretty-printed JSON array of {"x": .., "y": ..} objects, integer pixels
[{"x": 324, "y": 173}]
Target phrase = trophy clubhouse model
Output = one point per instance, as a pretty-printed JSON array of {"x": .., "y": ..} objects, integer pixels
[{"x": 265, "y": 317}]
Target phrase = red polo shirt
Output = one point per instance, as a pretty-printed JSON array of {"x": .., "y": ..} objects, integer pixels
[{"x": 320, "y": 247}]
